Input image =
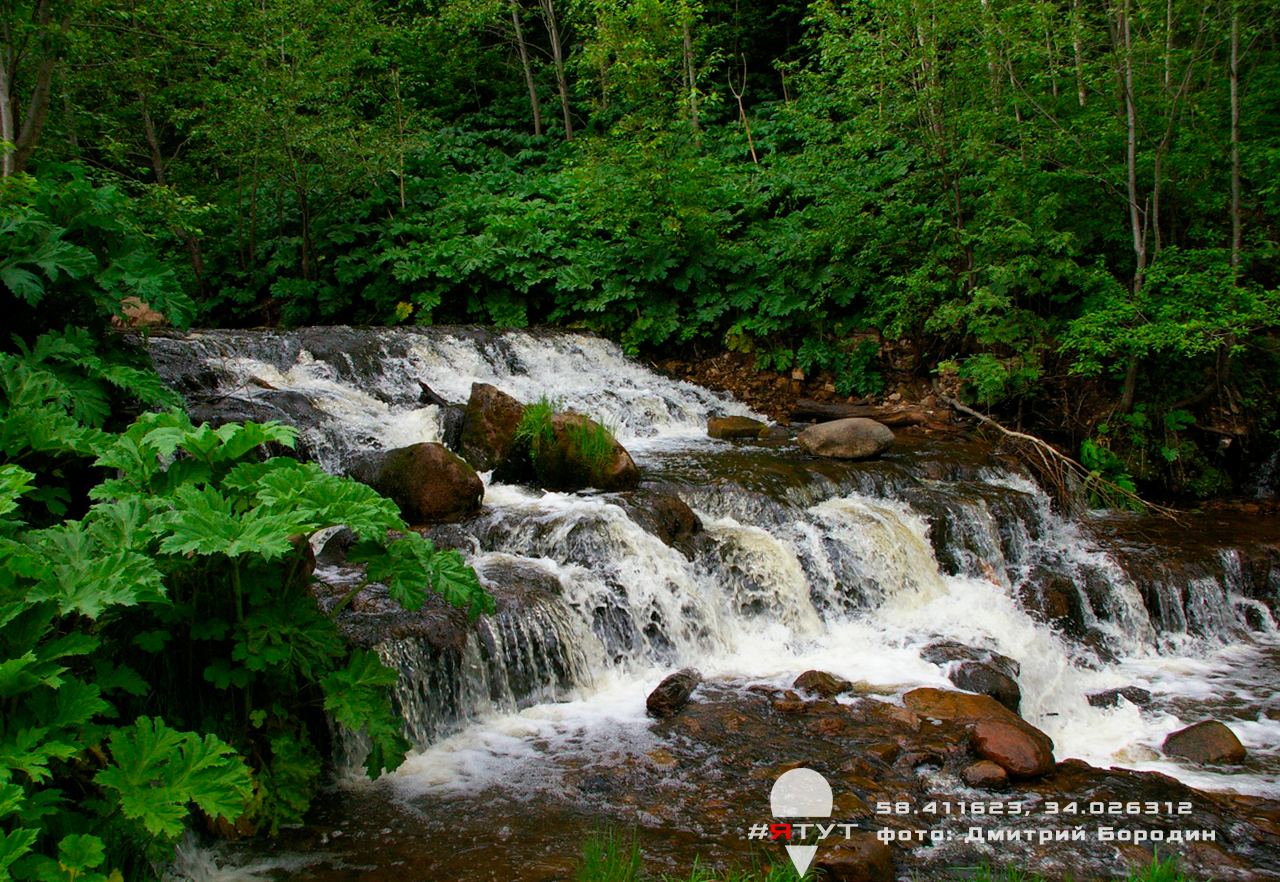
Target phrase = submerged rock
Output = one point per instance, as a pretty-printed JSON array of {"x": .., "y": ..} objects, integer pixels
[
  {"x": 846, "y": 439},
  {"x": 731, "y": 427},
  {"x": 672, "y": 693},
  {"x": 1207, "y": 742},
  {"x": 427, "y": 481},
  {"x": 488, "y": 434}
]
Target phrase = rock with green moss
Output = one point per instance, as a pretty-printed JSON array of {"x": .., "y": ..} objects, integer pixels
[{"x": 568, "y": 451}]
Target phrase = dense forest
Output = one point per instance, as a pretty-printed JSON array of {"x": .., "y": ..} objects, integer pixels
[{"x": 1066, "y": 209}]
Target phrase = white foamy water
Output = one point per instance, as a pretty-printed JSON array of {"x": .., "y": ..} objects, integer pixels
[{"x": 817, "y": 577}]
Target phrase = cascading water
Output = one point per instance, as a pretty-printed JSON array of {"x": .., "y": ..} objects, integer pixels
[{"x": 855, "y": 569}]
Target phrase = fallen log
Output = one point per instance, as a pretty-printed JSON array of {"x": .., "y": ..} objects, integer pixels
[{"x": 807, "y": 410}]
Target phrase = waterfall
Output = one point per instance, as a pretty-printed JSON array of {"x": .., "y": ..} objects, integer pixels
[{"x": 856, "y": 569}]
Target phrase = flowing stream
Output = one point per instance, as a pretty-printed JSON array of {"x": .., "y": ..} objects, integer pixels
[{"x": 530, "y": 725}]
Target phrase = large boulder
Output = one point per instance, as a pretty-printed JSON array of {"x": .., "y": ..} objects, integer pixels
[
  {"x": 846, "y": 439},
  {"x": 488, "y": 434},
  {"x": 731, "y": 427},
  {"x": 1207, "y": 742},
  {"x": 995, "y": 732},
  {"x": 579, "y": 453},
  {"x": 672, "y": 693},
  {"x": 427, "y": 481}
]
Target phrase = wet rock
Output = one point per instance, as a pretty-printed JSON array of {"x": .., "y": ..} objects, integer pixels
[
  {"x": 1207, "y": 742},
  {"x": 1053, "y": 598},
  {"x": 731, "y": 427},
  {"x": 846, "y": 439},
  {"x": 1019, "y": 748},
  {"x": 860, "y": 858},
  {"x": 986, "y": 775},
  {"x": 488, "y": 434},
  {"x": 428, "y": 482},
  {"x": 672, "y": 693},
  {"x": 984, "y": 679},
  {"x": 822, "y": 683},
  {"x": 334, "y": 550},
  {"x": 452, "y": 418},
  {"x": 666, "y": 516},
  {"x": 1111, "y": 697},
  {"x": 946, "y": 651},
  {"x": 943, "y": 704}
]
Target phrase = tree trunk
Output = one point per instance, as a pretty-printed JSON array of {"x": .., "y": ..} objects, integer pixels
[
  {"x": 189, "y": 239},
  {"x": 523, "y": 48},
  {"x": 1137, "y": 225},
  {"x": 557, "y": 56},
  {"x": 1077, "y": 44},
  {"x": 24, "y": 139},
  {"x": 691, "y": 81},
  {"x": 1236, "y": 237}
]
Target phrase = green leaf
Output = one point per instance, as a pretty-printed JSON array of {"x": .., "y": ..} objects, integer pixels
[
  {"x": 204, "y": 521},
  {"x": 357, "y": 698},
  {"x": 81, "y": 852},
  {"x": 14, "y": 845},
  {"x": 158, "y": 770}
]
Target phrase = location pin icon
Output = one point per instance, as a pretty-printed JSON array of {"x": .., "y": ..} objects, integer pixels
[{"x": 801, "y": 793}]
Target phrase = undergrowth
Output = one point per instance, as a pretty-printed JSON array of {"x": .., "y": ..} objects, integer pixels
[{"x": 608, "y": 856}]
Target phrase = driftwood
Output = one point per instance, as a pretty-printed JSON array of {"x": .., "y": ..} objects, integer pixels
[
  {"x": 1062, "y": 472},
  {"x": 807, "y": 410}
]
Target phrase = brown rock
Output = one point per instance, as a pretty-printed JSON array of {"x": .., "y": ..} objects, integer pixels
[
  {"x": 672, "y": 693},
  {"x": 822, "y": 683},
  {"x": 860, "y": 858},
  {"x": 885, "y": 751},
  {"x": 488, "y": 433},
  {"x": 731, "y": 427},
  {"x": 428, "y": 482},
  {"x": 986, "y": 775},
  {"x": 1019, "y": 748},
  {"x": 1207, "y": 742},
  {"x": 665, "y": 515},
  {"x": 943, "y": 704},
  {"x": 846, "y": 439}
]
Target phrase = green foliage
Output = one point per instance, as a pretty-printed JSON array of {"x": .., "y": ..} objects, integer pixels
[
  {"x": 535, "y": 429},
  {"x": 592, "y": 441},
  {"x": 609, "y": 857},
  {"x": 161, "y": 652}
]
